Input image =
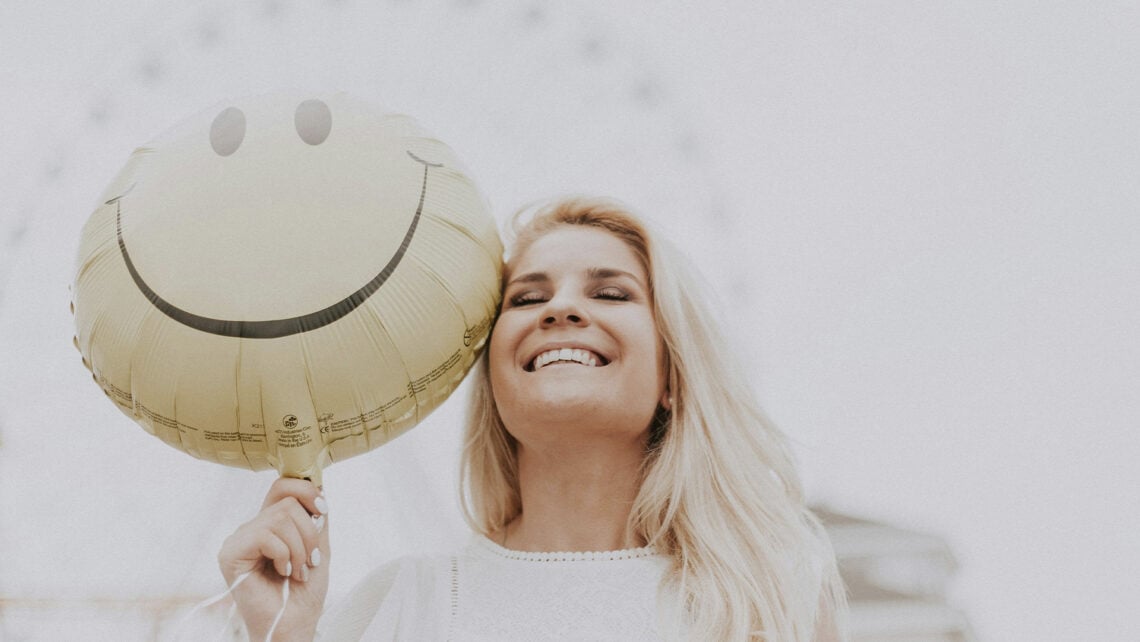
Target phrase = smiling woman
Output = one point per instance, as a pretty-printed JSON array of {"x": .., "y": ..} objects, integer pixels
[
  {"x": 577, "y": 289},
  {"x": 621, "y": 482}
]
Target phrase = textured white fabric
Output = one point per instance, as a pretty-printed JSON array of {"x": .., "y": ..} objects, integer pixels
[{"x": 487, "y": 592}]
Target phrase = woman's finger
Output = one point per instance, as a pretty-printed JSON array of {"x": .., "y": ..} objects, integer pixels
[
  {"x": 249, "y": 548},
  {"x": 277, "y": 551},
  {"x": 290, "y": 523},
  {"x": 303, "y": 490},
  {"x": 305, "y": 526},
  {"x": 284, "y": 533}
]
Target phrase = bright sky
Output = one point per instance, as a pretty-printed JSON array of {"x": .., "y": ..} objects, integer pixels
[{"x": 922, "y": 220}]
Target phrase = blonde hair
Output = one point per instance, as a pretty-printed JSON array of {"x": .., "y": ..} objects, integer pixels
[{"x": 719, "y": 494}]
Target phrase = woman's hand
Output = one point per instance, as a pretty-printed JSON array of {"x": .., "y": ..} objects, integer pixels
[{"x": 288, "y": 538}]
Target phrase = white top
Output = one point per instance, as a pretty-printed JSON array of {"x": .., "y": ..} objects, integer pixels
[{"x": 487, "y": 592}]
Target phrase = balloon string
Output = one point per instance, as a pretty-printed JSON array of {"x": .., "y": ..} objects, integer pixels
[
  {"x": 207, "y": 602},
  {"x": 233, "y": 608},
  {"x": 284, "y": 603},
  {"x": 229, "y": 621}
]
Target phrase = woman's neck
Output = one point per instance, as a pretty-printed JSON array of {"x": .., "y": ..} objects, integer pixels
[{"x": 576, "y": 499}]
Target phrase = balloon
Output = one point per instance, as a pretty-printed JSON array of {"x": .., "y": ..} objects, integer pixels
[{"x": 286, "y": 281}]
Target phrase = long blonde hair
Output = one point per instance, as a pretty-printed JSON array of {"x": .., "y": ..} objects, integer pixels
[{"x": 720, "y": 494}]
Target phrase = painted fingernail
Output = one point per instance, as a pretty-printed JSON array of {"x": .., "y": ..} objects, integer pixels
[
  {"x": 322, "y": 505},
  {"x": 315, "y": 557},
  {"x": 288, "y": 569},
  {"x": 304, "y": 573},
  {"x": 319, "y": 522}
]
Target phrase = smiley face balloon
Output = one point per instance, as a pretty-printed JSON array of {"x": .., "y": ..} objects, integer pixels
[{"x": 286, "y": 281}]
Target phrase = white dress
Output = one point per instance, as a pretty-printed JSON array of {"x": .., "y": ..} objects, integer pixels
[{"x": 487, "y": 592}]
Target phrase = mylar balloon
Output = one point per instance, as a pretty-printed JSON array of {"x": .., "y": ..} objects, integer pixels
[{"x": 286, "y": 281}]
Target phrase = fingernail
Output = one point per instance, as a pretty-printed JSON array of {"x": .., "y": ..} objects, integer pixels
[
  {"x": 315, "y": 557},
  {"x": 304, "y": 573},
  {"x": 288, "y": 569},
  {"x": 319, "y": 522},
  {"x": 322, "y": 505}
]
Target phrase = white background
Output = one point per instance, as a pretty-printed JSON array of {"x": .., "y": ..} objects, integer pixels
[{"x": 921, "y": 219}]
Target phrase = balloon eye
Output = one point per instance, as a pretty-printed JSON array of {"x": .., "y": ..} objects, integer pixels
[
  {"x": 313, "y": 121},
  {"x": 227, "y": 131}
]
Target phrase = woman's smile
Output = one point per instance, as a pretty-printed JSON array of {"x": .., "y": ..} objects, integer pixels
[{"x": 566, "y": 354}]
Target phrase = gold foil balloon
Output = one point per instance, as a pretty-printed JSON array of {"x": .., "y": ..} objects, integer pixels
[{"x": 286, "y": 281}]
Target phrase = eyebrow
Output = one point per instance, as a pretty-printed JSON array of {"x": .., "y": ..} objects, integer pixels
[
  {"x": 599, "y": 273},
  {"x": 594, "y": 273},
  {"x": 529, "y": 277}
]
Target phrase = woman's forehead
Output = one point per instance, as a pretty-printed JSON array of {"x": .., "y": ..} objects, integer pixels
[{"x": 569, "y": 246}]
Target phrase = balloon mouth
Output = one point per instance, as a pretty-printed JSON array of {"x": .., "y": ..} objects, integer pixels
[{"x": 273, "y": 328}]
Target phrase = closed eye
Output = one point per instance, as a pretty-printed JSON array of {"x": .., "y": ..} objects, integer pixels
[
  {"x": 612, "y": 294},
  {"x": 526, "y": 298}
]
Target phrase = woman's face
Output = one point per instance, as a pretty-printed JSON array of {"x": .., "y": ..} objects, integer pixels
[{"x": 576, "y": 346}]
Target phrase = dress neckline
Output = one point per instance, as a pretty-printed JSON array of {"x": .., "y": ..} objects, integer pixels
[{"x": 483, "y": 543}]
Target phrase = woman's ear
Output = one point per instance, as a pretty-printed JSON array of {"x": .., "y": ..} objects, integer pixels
[{"x": 667, "y": 401}]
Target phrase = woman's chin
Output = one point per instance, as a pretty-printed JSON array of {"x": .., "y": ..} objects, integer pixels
[{"x": 569, "y": 415}]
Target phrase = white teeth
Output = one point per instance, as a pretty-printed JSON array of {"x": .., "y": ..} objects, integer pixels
[{"x": 572, "y": 355}]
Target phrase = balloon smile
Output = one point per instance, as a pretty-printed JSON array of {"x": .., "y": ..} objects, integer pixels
[{"x": 273, "y": 328}]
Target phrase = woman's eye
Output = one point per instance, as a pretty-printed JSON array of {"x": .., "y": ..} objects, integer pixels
[
  {"x": 526, "y": 298},
  {"x": 613, "y": 294}
]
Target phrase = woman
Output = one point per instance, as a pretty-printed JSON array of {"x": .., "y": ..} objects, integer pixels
[{"x": 607, "y": 416}]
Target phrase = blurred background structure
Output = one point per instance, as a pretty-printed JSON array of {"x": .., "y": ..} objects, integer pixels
[
  {"x": 922, "y": 220},
  {"x": 897, "y": 582}
]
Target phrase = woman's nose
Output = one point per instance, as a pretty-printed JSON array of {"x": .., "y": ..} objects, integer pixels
[{"x": 563, "y": 311}]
